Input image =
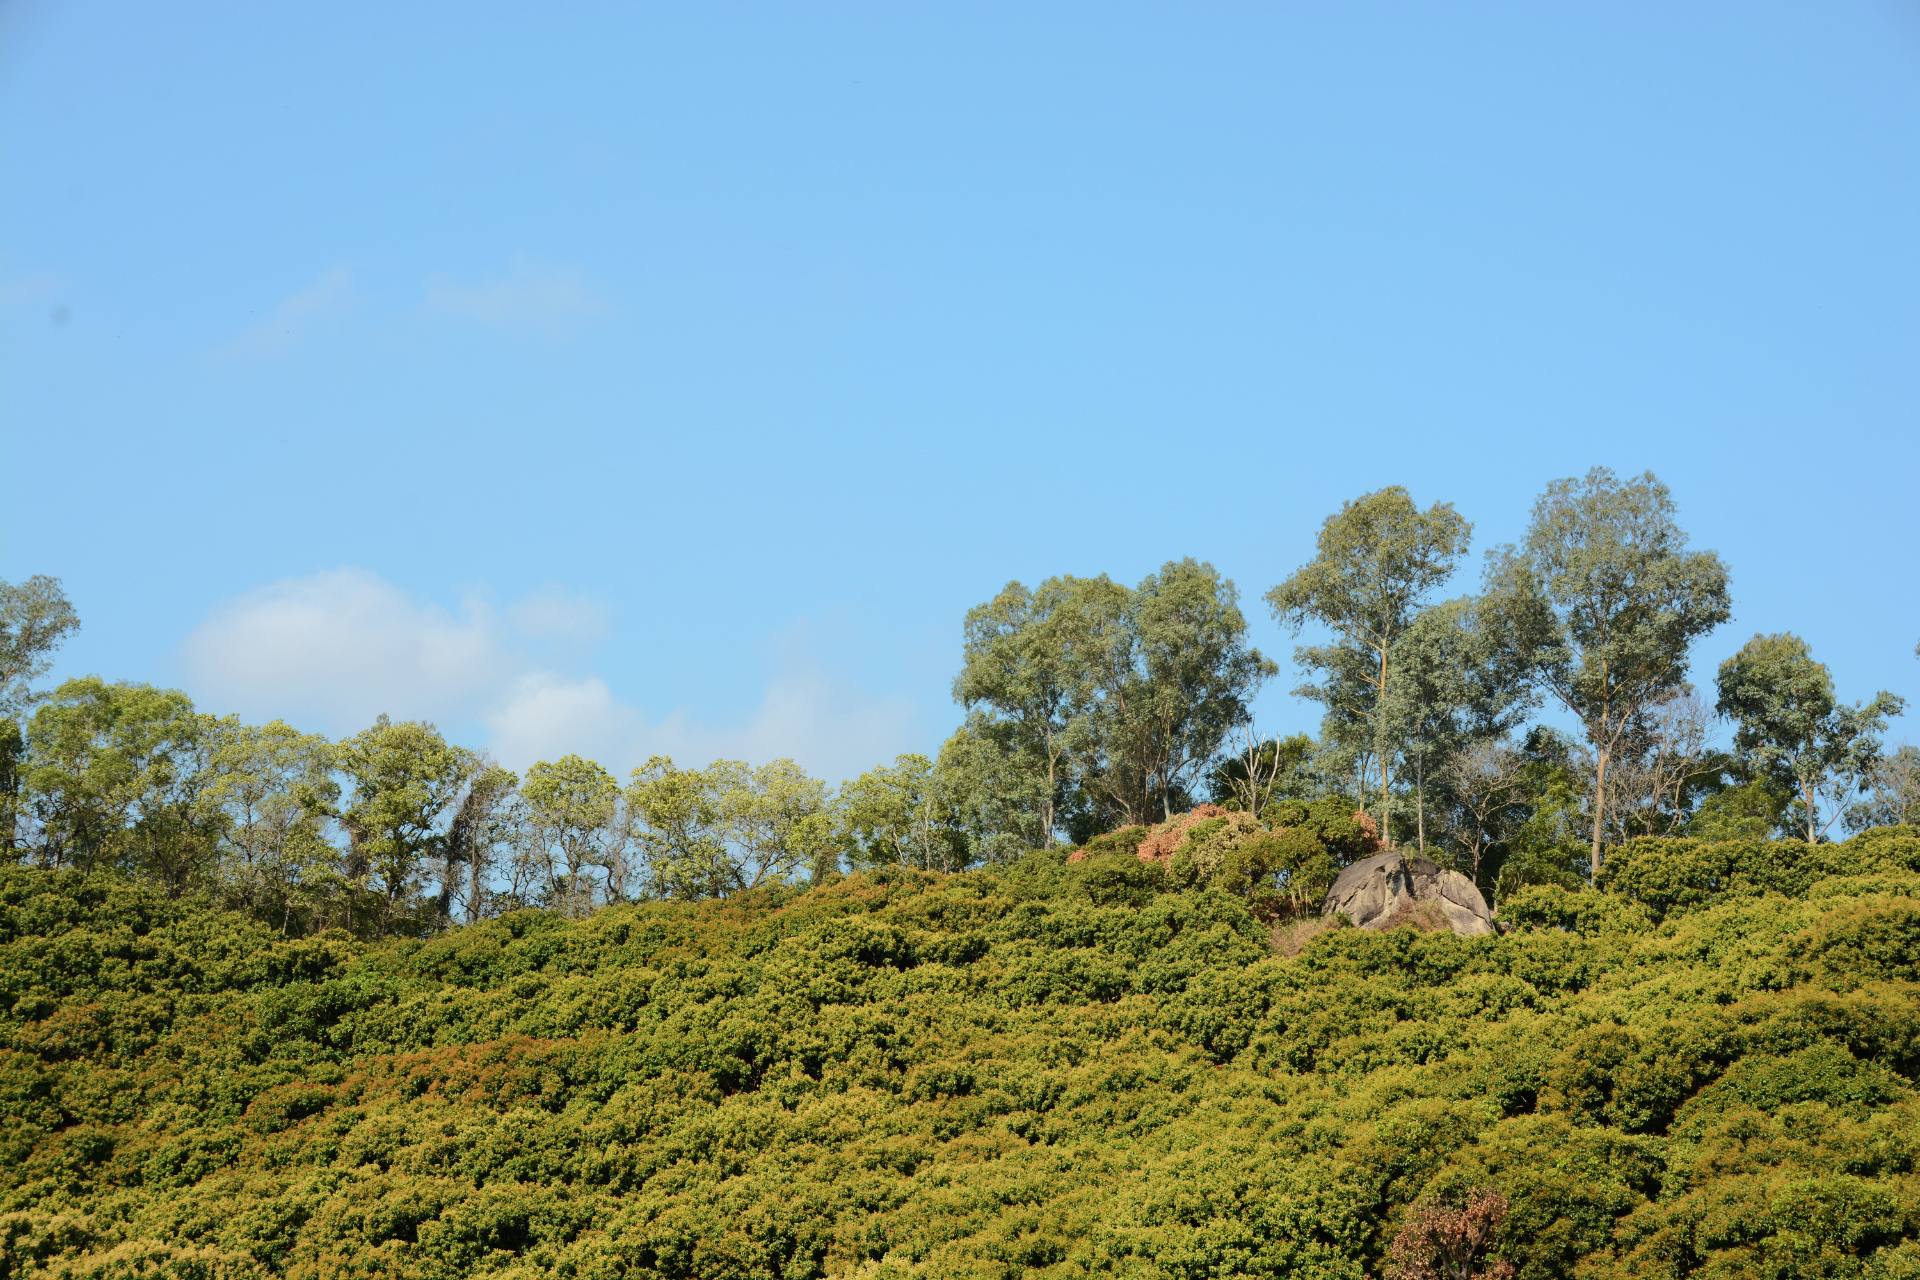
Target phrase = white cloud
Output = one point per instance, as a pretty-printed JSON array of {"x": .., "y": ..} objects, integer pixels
[
  {"x": 554, "y": 613},
  {"x": 535, "y": 297},
  {"x": 338, "y": 648},
  {"x": 334, "y": 650},
  {"x": 293, "y": 317},
  {"x": 545, "y": 716},
  {"x": 834, "y": 730}
]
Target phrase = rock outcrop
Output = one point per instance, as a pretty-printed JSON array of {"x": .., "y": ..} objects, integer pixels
[{"x": 1392, "y": 888}]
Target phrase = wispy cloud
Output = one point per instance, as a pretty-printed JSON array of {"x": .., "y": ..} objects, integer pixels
[
  {"x": 333, "y": 650},
  {"x": 832, "y": 728},
  {"x": 556, "y": 614},
  {"x": 283, "y": 325},
  {"x": 530, "y": 298}
]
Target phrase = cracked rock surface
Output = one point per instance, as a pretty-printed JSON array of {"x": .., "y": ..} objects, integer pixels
[{"x": 1392, "y": 888}]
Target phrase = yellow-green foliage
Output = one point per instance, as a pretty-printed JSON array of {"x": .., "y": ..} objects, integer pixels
[
  {"x": 1044, "y": 1069},
  {"x": 1282, "y": 863}
]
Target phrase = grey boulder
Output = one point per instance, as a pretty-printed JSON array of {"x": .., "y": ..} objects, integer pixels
[{"x": 1391, "y": 888}]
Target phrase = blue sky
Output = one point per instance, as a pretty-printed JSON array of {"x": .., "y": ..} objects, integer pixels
[{"x": 648, "y": 377}]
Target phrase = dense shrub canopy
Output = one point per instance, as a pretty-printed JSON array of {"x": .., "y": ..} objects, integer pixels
[{"x": 1707, "y": 1068}]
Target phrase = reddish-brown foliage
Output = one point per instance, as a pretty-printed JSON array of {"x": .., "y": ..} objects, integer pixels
[
  {"x": 1166, "y": 837},
  {"x": 1443, "y": 1243},
  {"x": 1371, "y": 829}
]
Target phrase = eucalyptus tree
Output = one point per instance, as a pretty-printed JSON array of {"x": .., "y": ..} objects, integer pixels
[
  {"x": 113, "y": 775},
  {"x": 706, "y": 833},
  {"x": 992, "y": 790},
  {"x": 403, "y": 781},
  {"x": 1893, "y": 792},
  {"x": 35, "y": 617},
  {"x": 1121, "y": 695},
  {"x": 1345, "y": 748},
  {"x": 676, "y": 827},
  {"x": 489, "y": 821},
  {"x": 1460, "y": 682},
  {"x": 271, "y": 787},
  {"x": 779, "y": 820},
  {"x": 1794, "y": 729},
  {"x": 1031, "y": 659},
  {"x": 1176, "y": 678},
  {"x": 899, "y": 815},
  {"x": 1378, "y": 559},
  {"x": 1608, "y": 598},
  {"x": 572, "y": 822}
]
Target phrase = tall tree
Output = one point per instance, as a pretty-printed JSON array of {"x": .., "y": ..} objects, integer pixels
[
  {"x": 1196, "y": 674},
  {"x": 1031, "y": 659},
  {"x": 571, "y": 810},
  {"x": 1893, "y": 792},
  {"x": 898, "y": 815},
  {"x": 778, "y": 820},
  {"x": 731, "y": 826},
  {"x": 1793, "y": 727},
  {"x": 34, "y": 618},
  {"x": 272, "y": 788},
  {"x": 992, "y": 792},
  {"x": 1379, "y": 558},
  {"x": 676, "y": 826},
  {"x": 404, "y": 780},
  {"x": 1460, "y": 682},
  {"x": 1662, "y": 768},
  {"x": 1609, "y": 598},
  {"x": 487, "y": 821},
  {"x": 1124, "y": 694},
  {"x": 113, "y": 775},
  {"x": 1345, "y": 747}
]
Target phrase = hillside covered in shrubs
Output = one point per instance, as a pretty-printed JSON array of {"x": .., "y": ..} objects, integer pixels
[{"x": 1107, "y": 1061}]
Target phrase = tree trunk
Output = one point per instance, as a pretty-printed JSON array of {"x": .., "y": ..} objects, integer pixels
[
  {"x": 1046, "y": 801},
  {"x": 1380, "y": 746},
  {"x": 1599, "y": 811},
  {"x": 1420, "y": 798},
  {"x": 12, "y": 748},
  {"x": 473, "y": 889}
]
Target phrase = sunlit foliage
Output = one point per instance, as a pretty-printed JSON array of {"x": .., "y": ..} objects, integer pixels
[{"x": 1708, "y": 1067}]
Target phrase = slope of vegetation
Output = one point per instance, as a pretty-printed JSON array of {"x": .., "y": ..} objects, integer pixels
[{"x": 1706, "y": 1067}]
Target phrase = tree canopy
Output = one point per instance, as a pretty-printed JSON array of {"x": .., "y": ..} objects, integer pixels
[
  {"x": 1610, "y": 598},
  {"x": 1379, "y": 558},
  {"x": 1794, "y": 730}
]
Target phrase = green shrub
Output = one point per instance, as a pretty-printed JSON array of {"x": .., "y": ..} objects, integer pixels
[{"x": 1051, "y": 1068}]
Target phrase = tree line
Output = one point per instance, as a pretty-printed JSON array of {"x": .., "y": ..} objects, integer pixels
[{"x": 1089, "y": 705}]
